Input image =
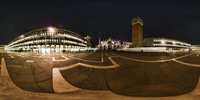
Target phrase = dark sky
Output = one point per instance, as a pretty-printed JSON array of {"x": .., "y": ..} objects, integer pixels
[{"x": 174, "y": 19}]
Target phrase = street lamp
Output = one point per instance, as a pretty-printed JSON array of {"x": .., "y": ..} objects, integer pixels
[{"x": 51, "y": 30}]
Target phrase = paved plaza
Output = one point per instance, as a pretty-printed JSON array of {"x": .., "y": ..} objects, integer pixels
[{"x": 110, "y": 74}]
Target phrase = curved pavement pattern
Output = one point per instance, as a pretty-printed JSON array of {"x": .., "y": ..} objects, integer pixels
[
  {"x": 30, "y": 73},
  {"x": 33, "y": 72},
  {"x": 134, "y": 78}
]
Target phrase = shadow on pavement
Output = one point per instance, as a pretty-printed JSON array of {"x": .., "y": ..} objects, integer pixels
[{"x": 137, "y": 79}]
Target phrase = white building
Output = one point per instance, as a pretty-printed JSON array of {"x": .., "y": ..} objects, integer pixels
[
  {"x": 111, "y": 44},
  {"x": 2, "y": 47},
  {"x": 195, "y": 47},
  {"x": 126, "y": 44},
  {"x": 170, "y": 44},
  {"x": 48, "y": 40},
  {"x": 162, "y": 45}
]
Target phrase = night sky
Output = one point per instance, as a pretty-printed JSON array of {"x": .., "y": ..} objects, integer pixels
[{"x": 174, "y": 19}]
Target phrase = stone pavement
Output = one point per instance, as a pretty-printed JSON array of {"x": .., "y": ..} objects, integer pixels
[{"x": 132, "y": 80}]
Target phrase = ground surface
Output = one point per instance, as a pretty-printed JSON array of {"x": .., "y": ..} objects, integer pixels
[{"x": 138, "y": 74}]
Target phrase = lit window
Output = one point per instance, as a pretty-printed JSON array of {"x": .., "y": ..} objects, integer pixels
[{"x": 162, "y": 41}]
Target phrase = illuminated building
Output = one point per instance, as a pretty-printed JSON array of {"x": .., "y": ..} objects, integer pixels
[
  {"x": 162, "y": 45},
  {"x": 137, "y": 32},
  {"x": 49, "y": 40},
  {"x": 126, "y": 44},
  {"x": 195, "y": 47},
  {"x": 2, "y": 47},
  {"x": 170, "y": 44},
  {"x": 111, "y": 44}
]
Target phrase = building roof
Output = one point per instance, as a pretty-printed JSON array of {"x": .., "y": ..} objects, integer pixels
[{"x": 136, "y": 20}]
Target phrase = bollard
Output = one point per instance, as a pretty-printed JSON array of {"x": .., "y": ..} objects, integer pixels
[{"x": 4, "y": 71}]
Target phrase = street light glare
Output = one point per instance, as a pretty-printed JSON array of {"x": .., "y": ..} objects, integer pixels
[
  {"x": 162, "y": 41},
  {"x": 51, "y": 29}
]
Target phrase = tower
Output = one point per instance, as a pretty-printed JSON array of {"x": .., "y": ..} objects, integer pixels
[{"x": 137, "y": 32}]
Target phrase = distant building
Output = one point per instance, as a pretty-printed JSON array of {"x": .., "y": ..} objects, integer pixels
[
  {"x": 2, "y": 47},
  {"x": 161, "y": 45},
  {"x": 88, "y": 38},
  {"x": 137, "y": 32},
  {"x": 111, "y": 44},
  {"x": 126, "y": 44},
  {"x": 195, "y": 47},
  {"x": 170, "y": 44},
  {"x": 146, "y": 45}
]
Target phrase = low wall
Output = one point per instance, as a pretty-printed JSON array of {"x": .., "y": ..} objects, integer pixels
[{"x": 144, "y": 49}]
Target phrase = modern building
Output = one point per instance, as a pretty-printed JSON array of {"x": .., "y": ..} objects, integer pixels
[
  {"x": 170, "y": 44},
  {"x": 195, "y": 47},
  {"x": 162, "y": 45},
  {"x": 137, "y": 32},
  {"x": 49, "y": 40}
]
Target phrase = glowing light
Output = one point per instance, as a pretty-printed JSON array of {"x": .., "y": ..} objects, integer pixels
[
  {"x": 162, "y": 41},
  {"x": 51, "y": 29},
  {"x": 22, "y": 36},
  {"x": 43, "y": 50},
  {"x": 74, "y": 49}
]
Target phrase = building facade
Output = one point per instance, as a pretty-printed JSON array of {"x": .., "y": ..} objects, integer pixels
[
  {"x": 126, "y": 44},
  {"x": 137, "y": 32},
  {"x": 49, "y": 40},
  {"x": 195, "y": 47},
  {"x": 111, "y": 44},
  {"x": 2, "y": 47},
  {"x": 170, "y": 44}
]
